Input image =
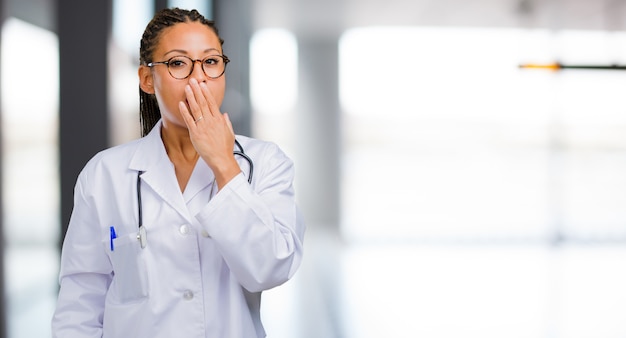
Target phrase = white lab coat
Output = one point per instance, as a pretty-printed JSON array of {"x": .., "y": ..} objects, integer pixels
[{"x": 208, "y": 255}]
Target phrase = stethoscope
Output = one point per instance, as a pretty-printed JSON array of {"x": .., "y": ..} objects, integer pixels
[{"x": 141, "y": 236}]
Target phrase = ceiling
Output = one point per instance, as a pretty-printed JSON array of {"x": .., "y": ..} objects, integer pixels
[
  {"x": 323, "y": 17},
  {"x": 37, "y": 12},
  {"x": 331, "y": 16}
]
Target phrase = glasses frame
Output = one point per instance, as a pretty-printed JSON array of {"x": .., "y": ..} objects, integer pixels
[{"x": 193, "y": 65}]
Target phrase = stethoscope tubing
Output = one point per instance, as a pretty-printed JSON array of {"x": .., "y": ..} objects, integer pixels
[
  {"x": 240, "y": 152},
  {"x": 245, "y": 157}
]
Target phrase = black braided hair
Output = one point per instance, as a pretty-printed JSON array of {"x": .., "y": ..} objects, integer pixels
[{"x": 149, "y": 112}]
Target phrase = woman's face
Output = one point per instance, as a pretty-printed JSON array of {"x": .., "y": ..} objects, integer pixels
[{"x": 191, "y": 39}]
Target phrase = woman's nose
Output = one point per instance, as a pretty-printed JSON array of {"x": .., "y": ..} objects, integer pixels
[{"x": 197, "y": 72}]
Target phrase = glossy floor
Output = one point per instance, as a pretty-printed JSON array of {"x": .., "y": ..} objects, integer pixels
[
  {"x": 442, "y": 291},
  {"x": 434, "y": 291}
]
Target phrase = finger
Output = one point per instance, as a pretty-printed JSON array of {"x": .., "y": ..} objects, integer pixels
[
  {"x": 211, "y": 103},
  {"x": 196, "y": 111},
  {"x": 187, "y": 117},
  {"x": 199, "y": 96},
  {"x": 228, "y": 123}
]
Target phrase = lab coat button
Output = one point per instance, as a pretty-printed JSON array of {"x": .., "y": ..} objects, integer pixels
[
  {"x": 205, "y": 234},
  {"x": 184, "y": 229},
  {"x": 188, "y": 295}
]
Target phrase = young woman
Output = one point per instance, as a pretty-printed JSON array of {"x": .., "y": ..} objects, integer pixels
[{"x": 177, "y": 234}]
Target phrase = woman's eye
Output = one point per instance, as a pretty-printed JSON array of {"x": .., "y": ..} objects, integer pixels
[
  {"x": 211, "y": 61},
  {"x": 177, "y": 63}
]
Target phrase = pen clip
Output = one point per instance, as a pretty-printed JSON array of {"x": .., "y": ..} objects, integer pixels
[{"x": 113, "y": 236}]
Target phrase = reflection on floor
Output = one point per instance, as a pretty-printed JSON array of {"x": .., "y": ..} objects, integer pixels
[
  {"x": 363, "y": 291},
  {"x": 31, "y": 288},
  {"x": 372, "y": 291}
]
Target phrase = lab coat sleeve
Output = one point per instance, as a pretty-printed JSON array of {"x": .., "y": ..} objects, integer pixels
[
  {"x": 258, "y": 228},
  {"x": 85, "y": 273}
]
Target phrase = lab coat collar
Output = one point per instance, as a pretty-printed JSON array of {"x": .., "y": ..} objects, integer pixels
[
  {"x": 159, "y": 174},
  {"x": 201, "y": 177},
  {"x": 150, "y": 151}
]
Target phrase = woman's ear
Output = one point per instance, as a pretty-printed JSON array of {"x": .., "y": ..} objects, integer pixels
[{"x": 145, "y": 79}]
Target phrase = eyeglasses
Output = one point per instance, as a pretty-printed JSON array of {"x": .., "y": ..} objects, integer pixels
[{"x": 180, "y": 67}]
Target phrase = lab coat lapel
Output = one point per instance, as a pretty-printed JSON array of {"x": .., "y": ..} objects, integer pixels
[
  {"x": 159, "y": 173},
  {"x": 201, "y": 177}
]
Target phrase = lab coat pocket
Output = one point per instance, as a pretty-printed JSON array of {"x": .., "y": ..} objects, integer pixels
[{"x": 130, "y": 280}]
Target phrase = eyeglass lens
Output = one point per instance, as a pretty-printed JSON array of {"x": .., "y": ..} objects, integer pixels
[{"x": 181, "y": 67}]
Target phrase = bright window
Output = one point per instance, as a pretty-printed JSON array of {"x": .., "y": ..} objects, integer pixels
[
  {"x": 274, "y": 85},
  {"x": 446, "y": 139},
  {"x": 30, "y": 182}
]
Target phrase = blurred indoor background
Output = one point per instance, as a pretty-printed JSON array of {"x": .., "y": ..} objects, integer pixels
[{"x": 447, "y": 191}]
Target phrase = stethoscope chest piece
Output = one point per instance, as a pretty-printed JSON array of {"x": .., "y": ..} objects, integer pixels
[{"x": 142, "y": 237}]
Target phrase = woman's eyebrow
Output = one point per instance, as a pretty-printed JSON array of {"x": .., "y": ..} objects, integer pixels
[{"x": 180, "y": 51}]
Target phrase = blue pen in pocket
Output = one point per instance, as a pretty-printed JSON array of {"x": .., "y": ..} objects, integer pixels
[{"x": 113, "y": 236}]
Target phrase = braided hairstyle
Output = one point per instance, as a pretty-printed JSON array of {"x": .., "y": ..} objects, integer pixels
[{"x": 149, "y": 112}]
